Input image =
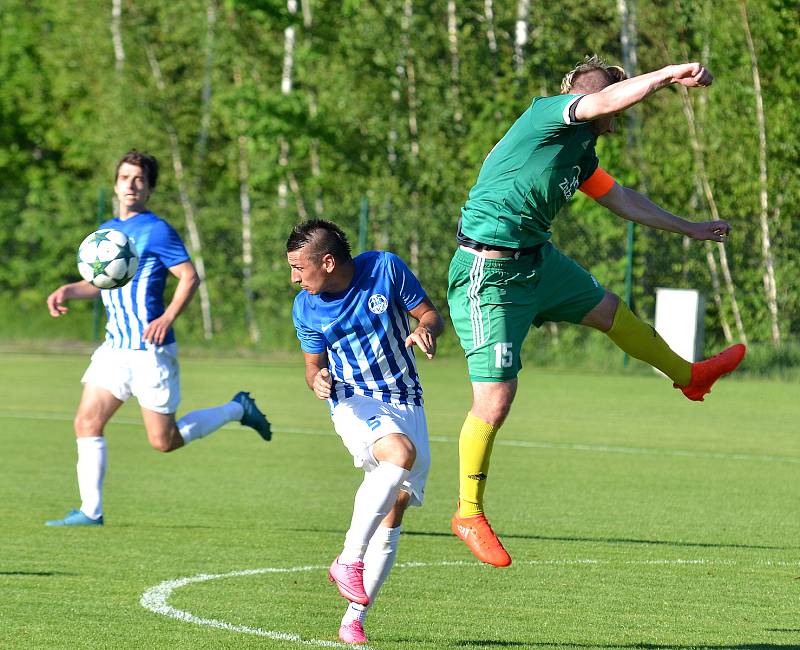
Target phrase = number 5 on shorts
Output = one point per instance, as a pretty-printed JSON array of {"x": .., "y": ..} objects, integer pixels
[{"x": 503, "y": 356}]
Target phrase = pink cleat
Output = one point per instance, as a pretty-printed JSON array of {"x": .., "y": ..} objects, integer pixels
[
  {"x": 353, "y": 632},
  {"x": 349, "y": 578}
]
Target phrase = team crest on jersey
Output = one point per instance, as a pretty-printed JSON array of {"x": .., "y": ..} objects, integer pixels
[
  {"x": 569, "y": 185},
  {"x": 377, "y": 303}
]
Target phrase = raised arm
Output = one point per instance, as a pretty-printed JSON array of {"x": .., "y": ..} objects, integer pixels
[
  {"x": 318, "y": 377},
  {"x": 633, "y": 206},
  {"x": 431, "y": 325},
  {"x": 620, "y": 96},
  {"x": 188, "y": 281},
  {"x": 56, "y": 301}
]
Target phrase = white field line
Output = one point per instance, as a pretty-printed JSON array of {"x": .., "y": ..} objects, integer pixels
[
  {"x": 156, "y": 598},
  {"x": 501, "y": 442}
]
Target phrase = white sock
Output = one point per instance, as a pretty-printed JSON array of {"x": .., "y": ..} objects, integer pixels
[
  {"x": 91, "y": 471},
  {"x": 374, "y": 499},
  {"x": 379, "y": 559},
  {"x": 199, "y": 424},
  {"x": 354, "y": 612},
  {"x": 378, "y": 562}
]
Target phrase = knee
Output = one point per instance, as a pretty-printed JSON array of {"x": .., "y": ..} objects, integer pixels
[
  {"x": 87, "y": 426},
  {"x": 400, "y": 452},
  {"x": 164, "y": 444},
  {"x": 602, "y": 316},
  {"x": 614, "y": 302},
  {"x": 406, "y": 455},
  {"x": 499, "y": 411},
  {"x": 493, "y": 411}
]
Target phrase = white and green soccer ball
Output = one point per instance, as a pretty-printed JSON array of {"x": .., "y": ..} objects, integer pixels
[{"x": 107, "y": 259}]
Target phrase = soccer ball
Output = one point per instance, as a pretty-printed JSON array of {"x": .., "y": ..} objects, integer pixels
[{"x": 107, "y": 259}]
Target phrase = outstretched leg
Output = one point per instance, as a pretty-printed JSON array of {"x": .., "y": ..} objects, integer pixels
[
  {"x": 165, "y": 434},
  {"x": 642, "y": 342}
]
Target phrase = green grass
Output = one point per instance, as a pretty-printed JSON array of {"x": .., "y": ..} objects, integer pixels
[{"x": 635, "y": 518}]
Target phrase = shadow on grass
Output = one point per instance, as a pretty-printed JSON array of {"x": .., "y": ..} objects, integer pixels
[
  {"x": 488, "y": 643},
  {"x": 615, "y": 540},
  {"x": 783, "y": 629},
  {"x": 549, "y": 538},
  {"x": 169, "y": 526},
  {"x": 36, "y": 573}
]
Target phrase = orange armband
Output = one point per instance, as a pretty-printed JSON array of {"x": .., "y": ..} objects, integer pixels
[{"x": 598, "y": 184}]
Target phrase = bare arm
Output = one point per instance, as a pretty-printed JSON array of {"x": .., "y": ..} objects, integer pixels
[
  {"x": 620, "y": 96},
  {"x": 633, "y": 206},
  {"x": 77, "y": 290},
  {"x": 318, "y": 377},
  {"x": 188, "y": 281},
  {"x": 430, "y": 326}
]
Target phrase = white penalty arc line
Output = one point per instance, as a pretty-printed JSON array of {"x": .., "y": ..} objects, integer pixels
[
  {"x": 156, "y": 599},
  {"x": 525, "y": 444}
]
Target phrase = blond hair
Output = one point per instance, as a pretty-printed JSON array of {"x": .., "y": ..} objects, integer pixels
[{"x": 614, "y": 73}]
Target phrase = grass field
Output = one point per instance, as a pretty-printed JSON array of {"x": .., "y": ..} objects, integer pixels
[{"x": 635, "y": 519}]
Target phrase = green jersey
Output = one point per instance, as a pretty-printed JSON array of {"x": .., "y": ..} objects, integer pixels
[{"x": 529, "y": 175}]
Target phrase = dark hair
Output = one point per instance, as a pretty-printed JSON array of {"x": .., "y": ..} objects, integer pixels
[
  {"x": 322, "y": 237},
  {"x": 148, "y": 163}
]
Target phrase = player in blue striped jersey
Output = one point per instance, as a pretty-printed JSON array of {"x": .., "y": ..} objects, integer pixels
[
  {"x": 139, "y": 355},
  {"x": 352, "y": 321}
]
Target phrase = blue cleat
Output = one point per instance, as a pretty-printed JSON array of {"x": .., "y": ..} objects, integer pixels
[
  {"x": 252, "y": 417},
  {"x": 75, "y": 518}
]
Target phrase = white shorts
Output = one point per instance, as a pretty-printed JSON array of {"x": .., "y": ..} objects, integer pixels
[
  {"x": 362, "y": 421},
  {"x": 151, "y": 375}
]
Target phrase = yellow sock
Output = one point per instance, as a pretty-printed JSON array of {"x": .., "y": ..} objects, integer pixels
[
  {"x": 641, "y": 341},
  {"x": 474, "y": 451}
]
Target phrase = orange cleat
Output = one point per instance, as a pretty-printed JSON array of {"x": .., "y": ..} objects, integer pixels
[
  {"x": 705, "y": 373},
  {"x": 480, "y": 538}
]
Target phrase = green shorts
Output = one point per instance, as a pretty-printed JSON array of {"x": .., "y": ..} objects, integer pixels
[{"x": 493, "y": 303}]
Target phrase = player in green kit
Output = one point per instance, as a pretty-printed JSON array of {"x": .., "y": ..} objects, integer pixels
[{"x": 506, "y": 275}]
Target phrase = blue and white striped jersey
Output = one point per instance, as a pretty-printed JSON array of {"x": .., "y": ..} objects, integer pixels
[
  {"x": 132, "y": 307},
  {"x": 364, "y": 329}
]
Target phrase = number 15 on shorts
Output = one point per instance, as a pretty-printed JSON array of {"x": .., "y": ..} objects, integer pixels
[{"x": 503, "y": 356}]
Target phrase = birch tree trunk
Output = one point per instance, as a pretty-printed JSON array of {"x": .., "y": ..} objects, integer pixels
[
  {"x": 313, "y": 149},
  {"x": 629, "y": 42},
  {"x": 770, "y": 286},
  {"x": 411, "y": 90},
  {"x": 195, "y": 243},
  {"x": 488, "y": 15},
  {"x": 205, "y": 119},
  {"x": 306, "y": 9},
  {"x": 455, "y": 63},
  {"x": 286, "y": 88},
  {"x": 116, "y": 34},
  {"x": 521, "y": 35},
  {"x": 247, "y": 230},
  {"x": 316, "y": 172},
  {"x": 705, "y": 187}
]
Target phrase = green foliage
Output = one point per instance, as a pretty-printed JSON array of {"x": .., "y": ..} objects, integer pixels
[{"x": 376, "y": 109}]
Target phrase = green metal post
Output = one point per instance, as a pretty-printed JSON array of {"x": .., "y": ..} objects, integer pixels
[
  {"x": 629, "y": 278},
  {"x": 363, "y": 221},
  {"x": 97, "y": 307}
]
